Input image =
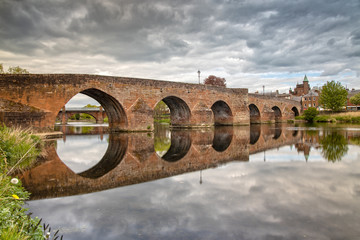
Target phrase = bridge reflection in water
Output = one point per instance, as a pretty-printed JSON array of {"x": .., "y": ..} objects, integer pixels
[{"x": 131, "y": 158}]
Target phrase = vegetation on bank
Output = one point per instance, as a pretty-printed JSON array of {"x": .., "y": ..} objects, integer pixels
[
  {"x": 18, "y": 150},
  {"x": 347, "y": 117}
]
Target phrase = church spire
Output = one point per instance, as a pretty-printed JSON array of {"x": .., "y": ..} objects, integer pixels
[{"x": 305, "y": 79}]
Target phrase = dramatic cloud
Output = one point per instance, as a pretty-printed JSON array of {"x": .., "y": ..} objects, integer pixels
[{"x": 250, "y": 43}]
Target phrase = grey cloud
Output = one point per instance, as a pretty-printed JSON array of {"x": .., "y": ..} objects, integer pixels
[{"x": 270, "y": 36}]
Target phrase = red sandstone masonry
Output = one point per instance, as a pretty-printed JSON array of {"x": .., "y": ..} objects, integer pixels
[{"x": 35, "y": 100}]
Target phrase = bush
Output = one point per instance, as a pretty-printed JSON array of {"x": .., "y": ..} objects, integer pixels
[{"x": 310, "y": 114}]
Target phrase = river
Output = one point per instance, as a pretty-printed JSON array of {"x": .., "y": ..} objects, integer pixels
[{"x": 260, "y": 182}]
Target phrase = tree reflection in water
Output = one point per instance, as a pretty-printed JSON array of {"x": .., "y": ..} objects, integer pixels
[{"x": 334, "y": 146}]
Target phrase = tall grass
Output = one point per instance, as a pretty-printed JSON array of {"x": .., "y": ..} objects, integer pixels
[
  {"x": 20, "y": 147},
  {"x": 18, "y": 150}
]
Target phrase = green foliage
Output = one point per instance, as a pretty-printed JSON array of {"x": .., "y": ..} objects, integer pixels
[
  {"x": 300, "y": 118},
  {"x": 324, "y": 118},
  {"x": 90, "y": 106},
  {"x": 17, "y": 70},
  {"x": 13, "y": 70},
  {"x": 355, "y": 99},
  {"x": 15, "y": 224},
  {"x": 355, "y": 141},
  {"x": 161, "y": 113},
  {"x": 333, "y": 96},
  {"x": 334, "y": 146},
  {"x": 86, "y": 116},
  {"x": 310, "y": 114},
  {"x": 20, "y": 147},
  {"x": 161, "y": 145}
]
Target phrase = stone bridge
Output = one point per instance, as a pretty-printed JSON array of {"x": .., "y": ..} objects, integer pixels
[
  {"x": 271, "y": 109},
  {"x": 36, "y": 99},
  {"x": 131, "y": 158},
  {"x": 66, "y": 113}
]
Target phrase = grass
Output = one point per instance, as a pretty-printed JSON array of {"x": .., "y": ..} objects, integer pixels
[
  {"x": 345, "y": 117},
  {"x": 18, "y": 150}
]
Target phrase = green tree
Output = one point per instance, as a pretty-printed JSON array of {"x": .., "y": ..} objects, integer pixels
[
  {"x": 90, "y": 106},
  {"x": 355, "y": 99},
  {"x": 310, "y": 114},
  {"x": 17, "y": 70},
  {"x": 13, "y": 70},
  {"x": 333, "y": 96}
]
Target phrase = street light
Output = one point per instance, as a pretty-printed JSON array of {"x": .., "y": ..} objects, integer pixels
[{"x": 198, "y": 75}]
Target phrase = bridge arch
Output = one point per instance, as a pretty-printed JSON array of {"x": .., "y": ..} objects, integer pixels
[
  {"x": 222, "y": 113},
  {"x": 115, "y": 112},
  {"x": 179, "y": 110},
  {"x": 254, "y": 114},
  {"x": 277, "y": 113},
  {"x": 295, "y": 111}
]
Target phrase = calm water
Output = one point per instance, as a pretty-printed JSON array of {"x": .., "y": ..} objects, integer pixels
[{"x": 258, "y": 182}]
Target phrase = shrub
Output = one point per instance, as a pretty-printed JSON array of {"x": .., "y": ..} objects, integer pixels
[{"x": 310, "y": 114}]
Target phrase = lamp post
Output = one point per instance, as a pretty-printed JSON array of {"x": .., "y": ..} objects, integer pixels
[
  {"x": 198, "y": 75},
  {"x": 263, "y": 89}
]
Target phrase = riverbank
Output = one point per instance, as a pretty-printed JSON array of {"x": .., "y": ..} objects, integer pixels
[
  {"x": 343, "y": 117},
  {"x": 18, "y": 150}
]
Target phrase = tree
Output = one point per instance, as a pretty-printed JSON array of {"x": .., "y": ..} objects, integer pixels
[
  {"x": 310, "y": 114},
  {"x": 17, "y": 70},
  {"x": 215, "y": 81},
  {"x": 13, "y": 70},
  {"x": 355, "y": 99},
  {"x": 333, "y": 96},
  {"x": 90, "y": 106}
]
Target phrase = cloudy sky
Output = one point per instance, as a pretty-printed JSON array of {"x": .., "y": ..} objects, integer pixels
[{"x": 251, "y": 43}]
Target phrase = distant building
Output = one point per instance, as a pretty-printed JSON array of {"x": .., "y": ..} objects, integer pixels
[
  {"x": 308, "y": 97},
  {"x": 310, "y": 100},
  {"x": 301, "y": 89}
]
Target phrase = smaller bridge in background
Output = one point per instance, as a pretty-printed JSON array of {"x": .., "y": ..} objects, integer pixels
[{"x": 96, "y": 112}]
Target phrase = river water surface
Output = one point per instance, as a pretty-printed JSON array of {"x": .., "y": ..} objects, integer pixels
[{"x": 257, "y": 182}]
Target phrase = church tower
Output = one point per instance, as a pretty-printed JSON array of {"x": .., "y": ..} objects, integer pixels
[{"x": 306, "y": 85}]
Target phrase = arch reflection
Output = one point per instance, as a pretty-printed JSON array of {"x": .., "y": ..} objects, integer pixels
[
  {"x": 222, "y": 138},
  {"x": 180, "y": 145},
  {"x": 255, "y": 132},
  {"x": 114, "y": 154}
]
